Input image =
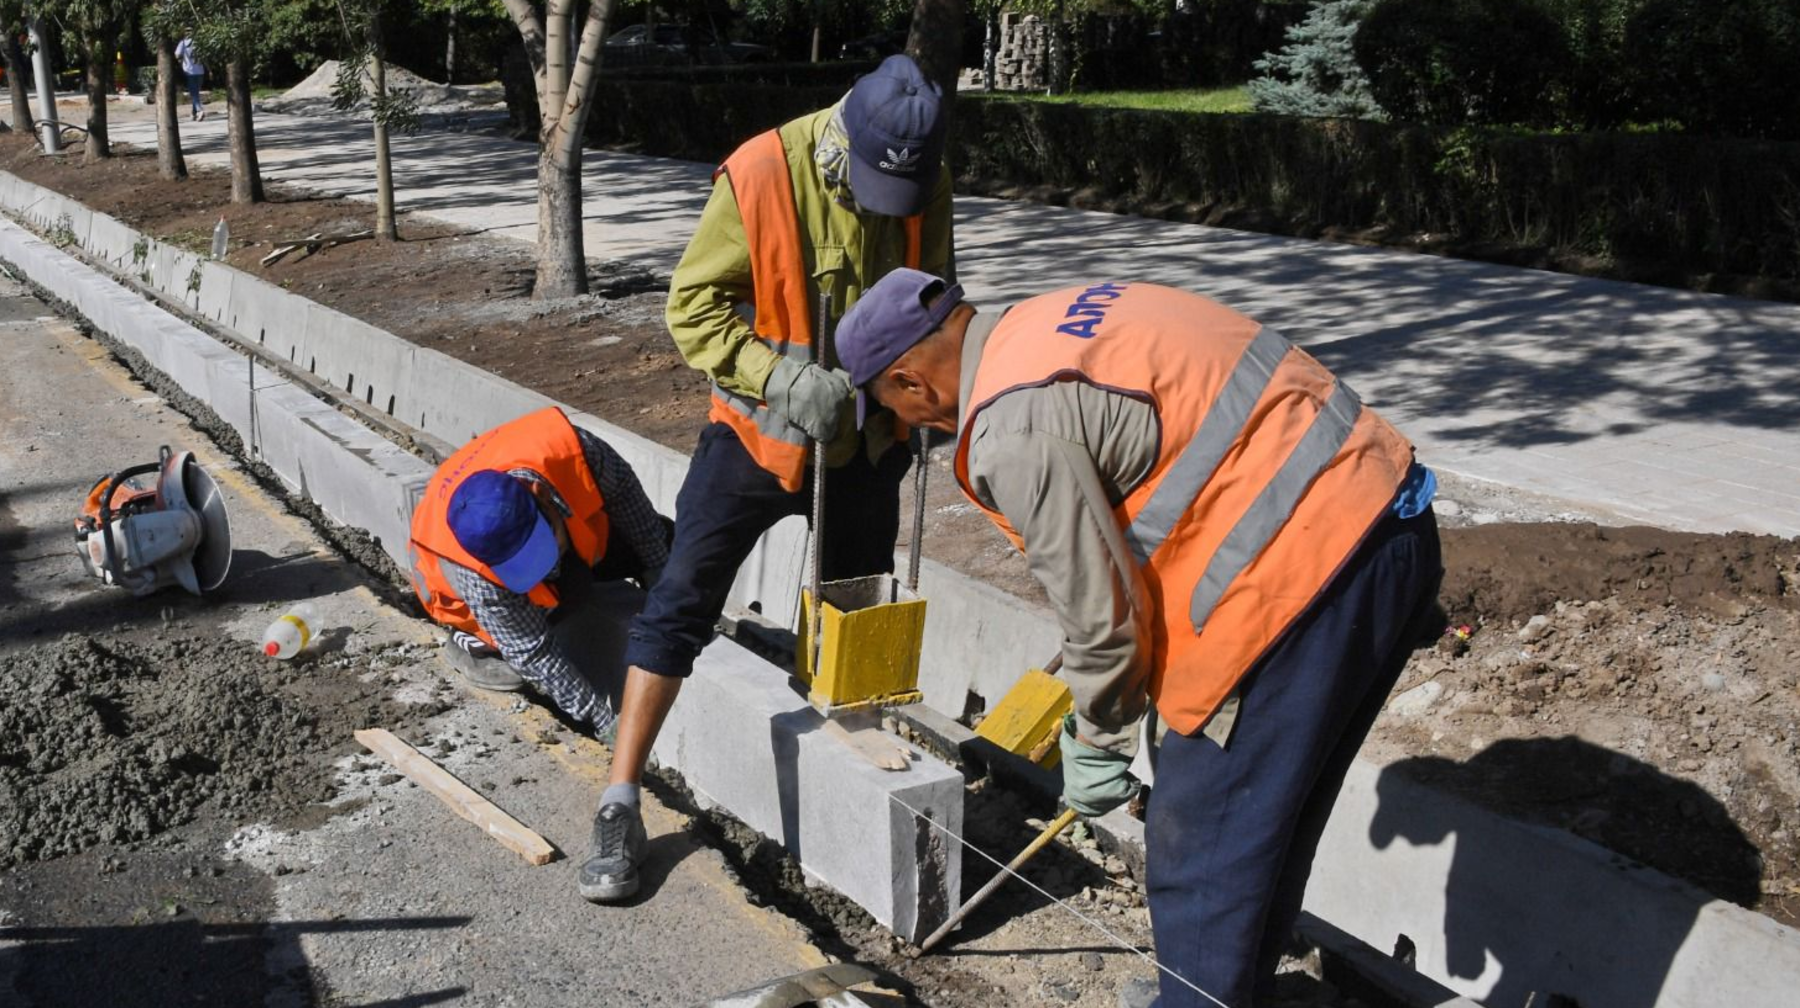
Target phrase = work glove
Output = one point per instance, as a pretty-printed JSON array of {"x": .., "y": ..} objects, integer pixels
[
  {"x": 1095, "y": 781},
  {"x": 810, "y": 397}
]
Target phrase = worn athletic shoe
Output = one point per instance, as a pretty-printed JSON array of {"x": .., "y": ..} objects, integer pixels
[
  {"x": 481, "y": 665},
  {"x": 610, "y": 873},
  {"x": 1138, "y": 992}
]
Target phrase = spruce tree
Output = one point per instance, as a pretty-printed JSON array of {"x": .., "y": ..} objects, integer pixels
[{"x": 1316, "y": 73}]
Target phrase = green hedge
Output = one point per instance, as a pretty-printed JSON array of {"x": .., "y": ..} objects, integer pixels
[
  {"x": 1664, "y": 207},
  {"x": 1658, "y": 203},
  {"x": 699, "y": 122}
]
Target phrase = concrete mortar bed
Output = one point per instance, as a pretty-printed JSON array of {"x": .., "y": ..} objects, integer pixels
[{"x": 950, "y": 588}]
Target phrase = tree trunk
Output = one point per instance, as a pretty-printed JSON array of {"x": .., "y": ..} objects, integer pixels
[
  {"x": 170, "y": 163},
  {"x": 935, "y": 41},
  {"x": 450, "y": 50},
  {"x": 562, "y": 258},
  {"x": 99, "y": 85},
  {"x": 17, "y": 70},
  {"x": 246, "y": 177},
  {"x": 561, "y": 253},
  {"x": 384, "y": 169}
]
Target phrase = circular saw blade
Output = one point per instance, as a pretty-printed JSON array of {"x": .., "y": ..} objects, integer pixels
[{"x": 212, "y": 557}]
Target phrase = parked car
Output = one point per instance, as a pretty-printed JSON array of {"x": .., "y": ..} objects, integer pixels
[{"x": 677, "y": 45}]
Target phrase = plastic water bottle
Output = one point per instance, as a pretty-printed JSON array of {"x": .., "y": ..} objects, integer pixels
[
  {"x": 289, "y": 635},
  {"x": 221, "y": 238}
]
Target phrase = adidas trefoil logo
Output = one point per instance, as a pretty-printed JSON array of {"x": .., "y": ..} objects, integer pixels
[{"x": 904, "y": 160}]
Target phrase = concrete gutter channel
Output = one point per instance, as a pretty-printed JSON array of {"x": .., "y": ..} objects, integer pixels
[{"x": 1490, "y": 908}]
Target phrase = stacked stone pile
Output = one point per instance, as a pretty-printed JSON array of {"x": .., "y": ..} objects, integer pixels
[{"x": 1023, "y": 62}]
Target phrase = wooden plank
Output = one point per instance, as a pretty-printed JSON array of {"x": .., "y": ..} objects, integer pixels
[{"x": 461, "y": 798}]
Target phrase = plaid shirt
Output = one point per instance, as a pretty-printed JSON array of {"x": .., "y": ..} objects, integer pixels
[{"x": 522, "y": 629}]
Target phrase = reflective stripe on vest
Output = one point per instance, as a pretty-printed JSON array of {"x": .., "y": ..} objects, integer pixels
[
  {"x": 1258, "y": 440},
  {"x": 543, "y": 442},
  {"x": 763, "y": 183}
]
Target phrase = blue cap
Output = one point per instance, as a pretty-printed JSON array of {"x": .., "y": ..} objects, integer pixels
[
  {"x": 495, "y": 517},
  {"x": 889, "y": 319},
  {"x": 896, "y": 137}
]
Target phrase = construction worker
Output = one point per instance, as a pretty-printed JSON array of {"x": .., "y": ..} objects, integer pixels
[
  {"x": 825, "y": 204},
  {"x": 511, "y": 534},
  {"x": 1231, "y": 541}
]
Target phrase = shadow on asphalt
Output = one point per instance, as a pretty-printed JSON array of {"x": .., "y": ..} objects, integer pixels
[{"x": 184, "y": 962}]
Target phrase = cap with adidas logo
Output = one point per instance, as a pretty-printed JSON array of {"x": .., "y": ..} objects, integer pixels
[{"x": 896, "y": 138}]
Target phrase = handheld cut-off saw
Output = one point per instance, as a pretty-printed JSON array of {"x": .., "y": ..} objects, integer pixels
[{"x": 144, "y": 535}]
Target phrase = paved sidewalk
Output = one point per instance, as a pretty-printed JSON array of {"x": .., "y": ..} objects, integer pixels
[{"x": 1658, "y": 406}]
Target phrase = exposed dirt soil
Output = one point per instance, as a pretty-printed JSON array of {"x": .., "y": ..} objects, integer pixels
[
  {"x": 1634, "y": 686},
  {"x": 1637, "y": 687}
]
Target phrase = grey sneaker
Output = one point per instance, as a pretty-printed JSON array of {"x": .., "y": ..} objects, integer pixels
[
  {"x": 610, "y": 873},
  {"x": 484, "y": 671},
  {"x": 1138, "y": 992}
]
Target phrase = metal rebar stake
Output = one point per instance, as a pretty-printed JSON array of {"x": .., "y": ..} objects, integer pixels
[
  {"x": 817, "y": 351},
  {"x": 920, "y": 460}
]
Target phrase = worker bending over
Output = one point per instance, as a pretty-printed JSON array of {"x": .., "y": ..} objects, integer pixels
[
  {"x": 1228, "y": 536},
  {"x": 513, "y": 530},
  {"x": 827, "y": 203}
]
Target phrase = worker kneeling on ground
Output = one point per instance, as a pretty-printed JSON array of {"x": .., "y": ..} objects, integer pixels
[
  {"x": 825, "y": 204},
  {"x": 1227, "y": 534},
  {"x": 510, "y": 536}
]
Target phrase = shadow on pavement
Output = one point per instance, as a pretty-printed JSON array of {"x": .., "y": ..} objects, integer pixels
[
  {"x": 182, "y": 962},
  {"x": 1510, "y": 919}
]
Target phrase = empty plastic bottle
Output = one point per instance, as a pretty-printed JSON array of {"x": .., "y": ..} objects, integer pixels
[
  {"x": 289, "y": 635},
  {"x": 221, "y": 239}
]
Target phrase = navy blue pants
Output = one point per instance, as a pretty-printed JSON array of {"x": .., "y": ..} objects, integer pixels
[
  {"x": 725, "y": 504},
  {"x": 1231, "y": 832}
]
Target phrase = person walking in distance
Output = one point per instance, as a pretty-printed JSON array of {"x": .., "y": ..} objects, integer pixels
[{"x": 195, "y": 72}]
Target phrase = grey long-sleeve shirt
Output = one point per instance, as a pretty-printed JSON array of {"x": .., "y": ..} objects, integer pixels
[
  {"x": 522, "y": 629},
  {"x": 1056, "y": 460}
]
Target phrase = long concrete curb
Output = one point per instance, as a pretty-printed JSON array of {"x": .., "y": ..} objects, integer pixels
[
  {"x": 742, "y": 738},
  {"x": 1468, "y": 897}
]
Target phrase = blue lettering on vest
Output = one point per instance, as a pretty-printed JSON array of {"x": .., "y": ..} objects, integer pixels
[{"x": 1089, "y": 310}]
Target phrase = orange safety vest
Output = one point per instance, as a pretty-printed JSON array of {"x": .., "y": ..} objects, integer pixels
[
  {"x": 762, "y": 181},
  {"x": 544, "y": 442},
  {"x": 1269, "y": 473}
]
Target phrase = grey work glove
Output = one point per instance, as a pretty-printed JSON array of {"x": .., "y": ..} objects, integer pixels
[
  {"x": 810, "y": 397},
  {"x": 1095, "y": 781}
]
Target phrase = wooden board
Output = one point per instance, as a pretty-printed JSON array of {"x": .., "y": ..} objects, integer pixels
[{"x": 461, "y": 798}]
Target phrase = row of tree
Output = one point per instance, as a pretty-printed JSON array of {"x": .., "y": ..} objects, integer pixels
[{"x": 562, "y": 41}]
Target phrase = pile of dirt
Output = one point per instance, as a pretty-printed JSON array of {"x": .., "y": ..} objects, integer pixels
[
  {"x": 314, "y": 94},
  {"x": 120, "y": 740},
  {"x": 1514, "y": 572}
]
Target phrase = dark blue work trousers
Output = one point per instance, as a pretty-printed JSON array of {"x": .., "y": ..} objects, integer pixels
[
  {"x": 725, "y": 504},
  {"x": 1231, "y": 832}
]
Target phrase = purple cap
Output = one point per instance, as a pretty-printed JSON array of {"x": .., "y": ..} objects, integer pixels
[
  {"x": 495, "y": 517},
  {"x": 889, "y": 319},
  {"x": 896, "y": 137}
]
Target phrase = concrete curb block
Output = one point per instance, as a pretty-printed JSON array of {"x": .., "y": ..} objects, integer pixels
[
  {"x": 839, "y": 815},
  {"x": 356, "y": 476},
  {"x": 1494, "y": 907}
]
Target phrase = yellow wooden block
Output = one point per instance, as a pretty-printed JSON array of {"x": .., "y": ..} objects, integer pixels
[
  {"x": 1029, "y": 716},
  {"x": 870, "y": 633}
]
